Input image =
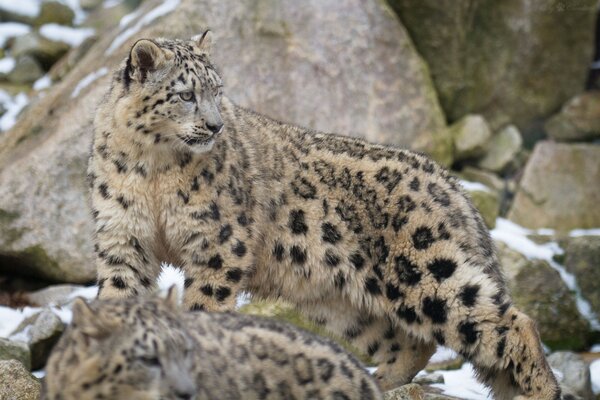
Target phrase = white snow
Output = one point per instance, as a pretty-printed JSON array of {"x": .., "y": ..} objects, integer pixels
[
  {"x": 87, "y": 80},
  {"x": 39, "y": 374},
  {"x": 595, "y": 348},
  {"x": 28, "y": 8},
  {"x": 584, "y": 232},
  {"x": 166, "y": 7},
  {"x": 443, "y": 354},
  {"x": 13, "y": 106},
  {"x": 462, "y": 383},
  {"x": 126, "y": 19},
  {"x": 595, "y": 375},
  {"x": 111, "y": 3},
  {"x": 69, "y": 35},
  {"x": 7, "y": 64},
  {"x": 12, "y": 29},
  {"x": 515, "y": 237},
  {"x": 43, "y": 83},
  {"x": 242, "y": 299},
  {"x": 171, "y": 276},
  {"x": 473, "y": 186}
]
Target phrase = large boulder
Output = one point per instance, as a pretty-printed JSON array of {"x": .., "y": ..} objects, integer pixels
[
  {"x": 41, "y": 331},
  {"x": 578, "y": 120},
  {"x": 347, "y": 67},
  {"x": 575, "y": 373},
  {"x": 539, "y": 291},
  {"x": 560, "y": 188},
  {"x": 16, "y": 383},
  {"x": 511, "y": 60}
]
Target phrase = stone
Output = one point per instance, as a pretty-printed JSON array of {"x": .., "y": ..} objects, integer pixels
[
  {"x": 58, "y": 295},
  {"x": 41, "y": 332},
  {"x": 330, "y": 54},
  {"x": 15, "y": 350},
  {"x": 575, "y": 372},
  {"x": 89, "y": 5},
  {"x": 486, "y": 178},
  {"x": 513, "y": 61},
  {"x": 16, "y": 383},
  {"x": 27, "y": 70},
  {"x": 429, "y": 378},
  {"x": 488, "y": 204},
  {"x": 559, "y": 188},
  {"x": 578, "y": 120},
  {"x": 54, "y": 12},
  {"x": 470, "y": 134},
  {"x": 412, "y": 391},
  {"x": 581, "y": 258},
  {"x": 538, "y": 290},
  {"x": 502, "y": 149},
  {"x": 46, "y": 52}
]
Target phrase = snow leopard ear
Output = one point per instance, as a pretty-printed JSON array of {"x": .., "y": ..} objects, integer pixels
[
  {"x": 145, "y": 57},
  {"x": 172, "y": 299},
  {"x": 88, "y": 321},
  {"x": 204, "y": 42}
]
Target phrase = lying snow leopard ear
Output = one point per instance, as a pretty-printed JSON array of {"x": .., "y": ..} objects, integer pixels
[
  {"x": 204, "y": 42},
  {"x": 88, "y": 321},
  {"x": 146, "y": 57},
  {"x": 173, "y": 299}
]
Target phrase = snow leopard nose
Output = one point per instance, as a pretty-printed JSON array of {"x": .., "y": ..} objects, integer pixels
[
  {"x": 214, "y": 128},
  {"x": 184, "y": 395}
]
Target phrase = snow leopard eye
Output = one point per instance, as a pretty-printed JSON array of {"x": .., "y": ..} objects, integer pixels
[{"x": 186, "y": 96}]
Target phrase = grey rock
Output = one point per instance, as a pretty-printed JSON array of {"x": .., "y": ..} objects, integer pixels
[
  {"x": 502, "y": 149},
  {"x": 513, "y": 61},
  {"x": 346, "y": 67},
  {"x": 45, "y": 51},
  {"x": 16, "y": 383},
  {"x": 486, "y": 178},
  {"x": 54, "y": 12},
  {"x": 40, "y": 332},
  {"x": 488, "y": 204},
  {"x": 412, "y": 391},
  {"x": 27, "y": 70},
  {"x": 575, "y": 373},
  {"x": 15, "y": 350},
  {"x": 581, "y": 258},
  {"x": 539, "y": 291},
  {"x": 578, "y": 120},
  {"x": 57, "y": 295},
  {"x": 429, "y": 378},
  {"x": 559, "y": 188},
  {"x": 470, "y": 134},
  {"x": 89, "y": 5}
]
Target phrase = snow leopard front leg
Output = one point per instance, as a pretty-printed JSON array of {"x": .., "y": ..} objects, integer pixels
[
  {"x": 216, "y": 261},
  {"x": 126, "y": 264}
]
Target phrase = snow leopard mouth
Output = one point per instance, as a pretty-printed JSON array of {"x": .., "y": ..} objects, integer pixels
[{"x": 196, "y": 140}]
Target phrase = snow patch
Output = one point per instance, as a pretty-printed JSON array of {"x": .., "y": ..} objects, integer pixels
[
  {"x": 7, "y": 64},
  {"x": 111, "y": 3},
  {"x": 584, "y": 232},
  {"x": 126, "y": 19},
  {"x": 242, "y": 299},
  {"x": 166, "y": 7},
  {"x": 12, "y": 29},
  {"x": 443, "y": 354},
  {"x": 27, "y": 8},
  {"x": 515, "y": 237},
  {"x": 87, "y": 80},
  {"x": 462, "y": 383},
  {"x": 39, "y": 374},
  {"x": 474, "y": 186},
  {"x": 171, "y": 276},
  {"x": 595, "y": 348},
  {"x": 43, "y": 83},
  {"x": 595, "y": 375},
  {"x": 13, "y": 106},
  {"x": 66, "y": 34}
]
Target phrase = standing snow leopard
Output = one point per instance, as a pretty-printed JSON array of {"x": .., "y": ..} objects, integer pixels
[{"x": 379, "y": 245}]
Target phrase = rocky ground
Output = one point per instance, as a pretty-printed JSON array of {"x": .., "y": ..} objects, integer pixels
[{"x": 506, "y": 94}]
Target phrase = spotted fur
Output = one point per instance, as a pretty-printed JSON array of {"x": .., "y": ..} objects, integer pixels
[
  {"x": 135, "y": 349},
  {"x": 378, "y": 244}
]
